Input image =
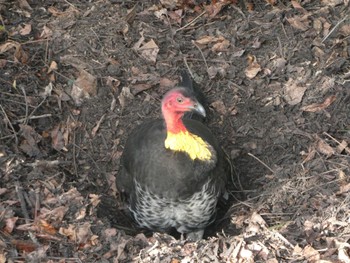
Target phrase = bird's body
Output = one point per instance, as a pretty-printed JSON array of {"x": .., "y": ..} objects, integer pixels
[{"x": 173, "y": 170}]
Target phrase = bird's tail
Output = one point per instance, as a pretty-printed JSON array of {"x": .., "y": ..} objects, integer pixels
[{"x": 187, "y": 83}]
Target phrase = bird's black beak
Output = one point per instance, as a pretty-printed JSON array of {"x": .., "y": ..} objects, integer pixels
[{"x": 197, "y": 107}]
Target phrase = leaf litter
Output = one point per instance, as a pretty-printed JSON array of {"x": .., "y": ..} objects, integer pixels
[{"x": 80, "y": 77}]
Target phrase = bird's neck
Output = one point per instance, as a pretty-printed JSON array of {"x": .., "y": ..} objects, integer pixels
[{"x": 179, "y": 139}]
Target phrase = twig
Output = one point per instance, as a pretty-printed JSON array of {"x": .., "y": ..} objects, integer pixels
[
  {"x": 36, "y": 41},
  {"x": 188, "y": 67},
  {"x": 334, "y": 139},
  {"x": 34, "y": 117},
  {"x": 205, "y": 61},
  {"x": 10, "y": 124},
  {"x": 256, "y": 158},
  {"x": 334, "y": 28},
  {"x": 37, "y": 202},
  {"x": 192, "y": 22},
  {"x": 280, "y": 46},
  {"x": 24, "y": 210},
  {"x": 37, "y": 107},
  {"x": 26, "y": 102}
]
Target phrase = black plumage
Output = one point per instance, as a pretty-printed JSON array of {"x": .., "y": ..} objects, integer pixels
[{"x": 171, "y": 188}]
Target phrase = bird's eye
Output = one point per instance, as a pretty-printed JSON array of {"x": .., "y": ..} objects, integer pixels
[{"x": 179, "y": 99}]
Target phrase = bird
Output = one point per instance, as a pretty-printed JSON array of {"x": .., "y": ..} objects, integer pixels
[{"x": 172, "y": 170}]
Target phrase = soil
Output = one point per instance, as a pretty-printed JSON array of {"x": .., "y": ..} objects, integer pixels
[{"x": 77, "y": 76}]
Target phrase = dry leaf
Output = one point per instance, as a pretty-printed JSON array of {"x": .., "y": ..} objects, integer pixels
[
  {"x": 3, "y": 63},
  {"x": 46, "y": 33},
  {"x": 212, "y": 71},
  {"x": 221, "y": 46},
  {"x": 10, "y": 224},
  {"x": 149, "y": 51},
  {"x": 113, "y": 82},
  {"x": 324, "y": 148},
  {"x": 299, "y": 22},
  {"x": 219, "y": 106},
  {"x": 167, "y": 83},
  {"x": 205, "y": 40},
  {"x": 331, "y": 2},
  {"x": 170, "y": 4},
  {"x": 311, "y": 255},
  {"x": 297, "y": 6},
  {"x": 97, "y": 126},
  {"x": 215, "y": 7},
  {"x": 319, "y": 106},
  {"x": 345, "y": 30},
  {"x": 25, "y": 30},
  {"x": 94, "y": 199},
  {"x": 44, "y": 226},
  {"x": 253, "y": 69},
  {"x": 31, "y": 138},
  {"x": 57, "y": 139},
  {"x": 53, "y": 66},
  {"x": 309, "y": 156},
  {"x": 137, "y": 88},
  {"x": 56, "y": 215},
  {"x": 293, "y": 92},
  {"x": 84, "y": 87},
  {"x": 20, "y": 54},
  {"x": 124, "y": 95},
  {"x": 176, "y": 16},
  {"x": 344, "y": 189},
  {"x": 343, "y": 146},
  {"x": 22, "y": 245},
  {"x": 8, "y": 45}
]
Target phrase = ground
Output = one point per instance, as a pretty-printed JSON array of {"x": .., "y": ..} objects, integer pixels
[{"x": 77, "y": 76}]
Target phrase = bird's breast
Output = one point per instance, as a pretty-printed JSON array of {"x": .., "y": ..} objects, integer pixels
[{"x": 189, "y": 143}]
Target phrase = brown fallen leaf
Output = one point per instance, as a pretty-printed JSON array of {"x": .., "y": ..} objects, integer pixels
[
  {"x": 324, "y": 148},
  {"x": 221, "y": 46},
  {"x": 299, "y": 22},
  {"x": 293, "y": 92},
  {"x": 25, "y": 29},
  {"x": 344, "y": 189},
  {"x": 149, "y": 51},
  {"x": 3, "y": 63},
  {"x": 10, "y": 224},
  {"x": 176, "y": 16},
  {"x": 46, "y": 33},
  {"x": 298, "y": 7},
  {"x": 84, "y": 87},
  {"x": 57, "y": 140},
  {"x": 22, "y": 245},
  {"x": 310, "y": 155},
  {"x": 205, "y": 40},
  {"x": 167, "y": 83},
  {"x": 319, "y": 106},
  {"x": 137, "y": 88},
  {"x": 97, "y": 126},
  {"x": 31, "y": 139},
  {"x": 53, "y": 66},
  {"x": 311, "y": 254},
  {"x": 219, "y": 106},
  {"x": 215, "y": 7},
  {"x": 343, "y": 146},
  {"x": 253, "y": 67}
]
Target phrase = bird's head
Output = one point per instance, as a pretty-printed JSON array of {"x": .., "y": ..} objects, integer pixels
[
  {"x": 175, "y": 104},
  {"x": 179, "y": 101}
]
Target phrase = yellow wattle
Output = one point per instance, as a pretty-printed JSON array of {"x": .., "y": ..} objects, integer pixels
[{"x": 189, "y": 143}]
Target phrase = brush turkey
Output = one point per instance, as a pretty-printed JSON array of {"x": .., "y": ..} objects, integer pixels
[{"x": 173, "y": 171}]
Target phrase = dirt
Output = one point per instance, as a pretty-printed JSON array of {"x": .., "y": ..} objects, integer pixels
[{"x": 77, "y": 76}]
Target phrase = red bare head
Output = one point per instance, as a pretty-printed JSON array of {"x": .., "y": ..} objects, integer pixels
[{"x": 175, "y": 104}]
